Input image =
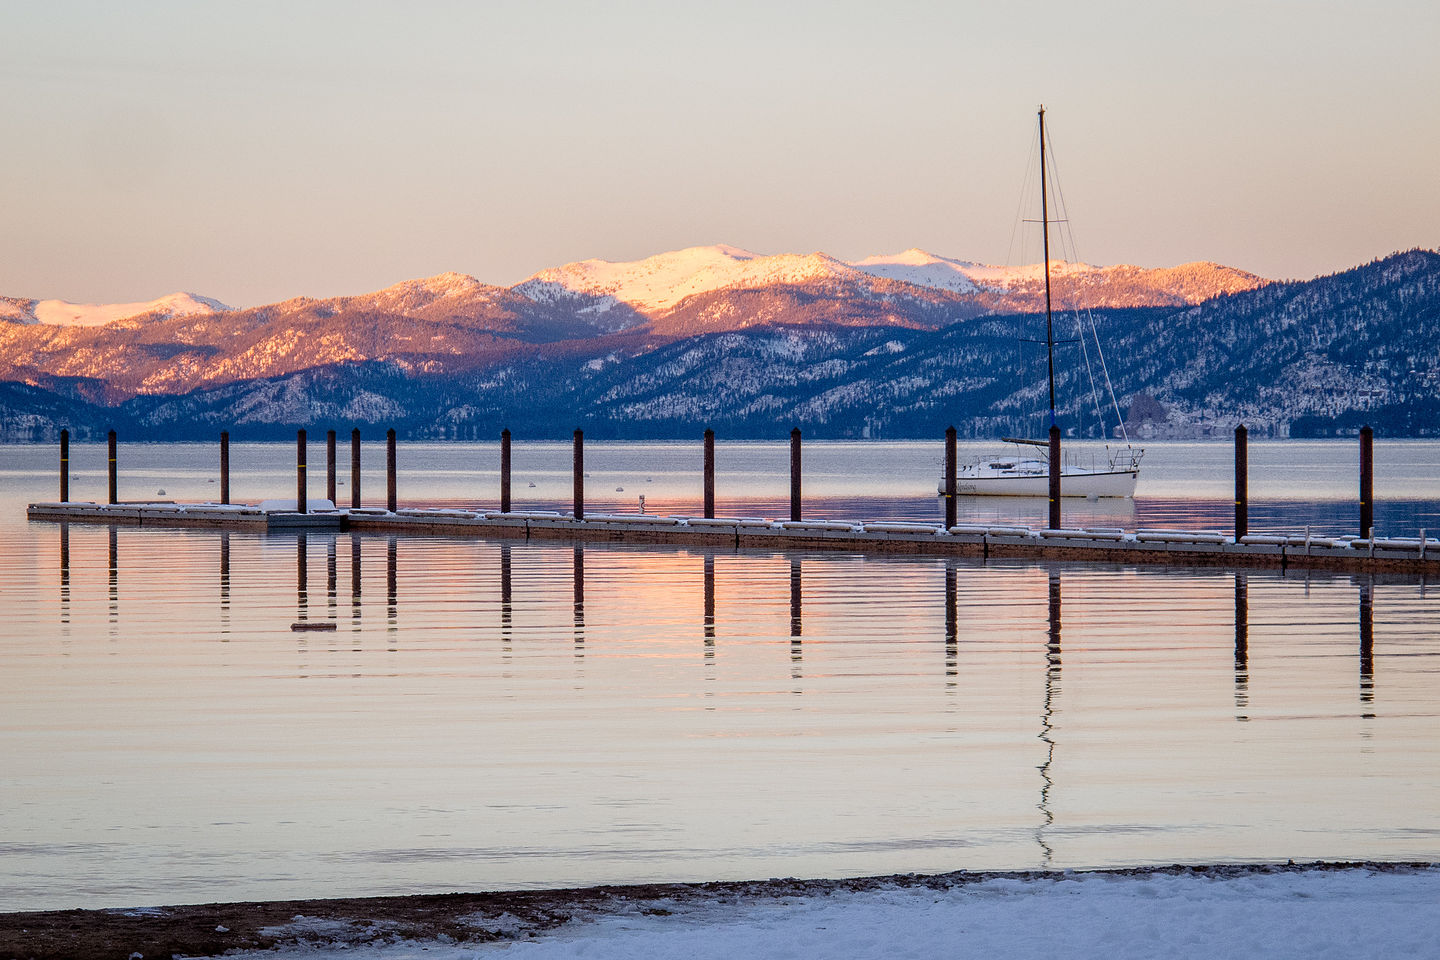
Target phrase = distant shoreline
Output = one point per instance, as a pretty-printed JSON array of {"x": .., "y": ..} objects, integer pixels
[{"x": 202, "y": 930}]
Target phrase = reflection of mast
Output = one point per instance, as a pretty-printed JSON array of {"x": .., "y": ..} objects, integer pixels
[
  {"x": 1242, "y": 646},
  {"x": 1367, "y": 645},
  {"x": 1052, "y": 689}
]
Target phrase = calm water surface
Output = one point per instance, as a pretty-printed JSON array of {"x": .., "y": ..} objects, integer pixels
[{"x": 500, "y": 714}]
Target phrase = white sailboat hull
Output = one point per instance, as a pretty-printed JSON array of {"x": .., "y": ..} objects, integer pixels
[{"x": 1112, "y": 483}]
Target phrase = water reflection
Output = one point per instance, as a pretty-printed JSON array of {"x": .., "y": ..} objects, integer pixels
[
  {"x": 1367, "y": 645},
  {"x": 392, "y": 587},
  {"x": 709, "y": 621},
  {"x": 578, "y": 601},
  {"x": 507, "y": 610},
  {"x": 302, "y": 578},
  {"x": 114, "y": 580},
  {"x": 356, "y": 579},
  {"x": 952, "y": 624},
  {"x": 1242, "y": 647},
  {"x": 65, "y": 573},
  {"x": 1047, "y": 716}
]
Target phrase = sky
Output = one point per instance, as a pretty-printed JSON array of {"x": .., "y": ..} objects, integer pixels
[{"x": 257, "y": 151}]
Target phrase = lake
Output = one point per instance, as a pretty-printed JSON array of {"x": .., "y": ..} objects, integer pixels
[{"x": 492, "y": 714}]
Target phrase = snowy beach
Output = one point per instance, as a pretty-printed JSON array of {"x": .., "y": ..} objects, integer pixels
[{"x": 1276, "y": 912}]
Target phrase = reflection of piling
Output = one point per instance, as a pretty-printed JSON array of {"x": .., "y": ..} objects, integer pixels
[
  {"x": 330, "y": 466},
  {"x": 300, "y": 484},
  {"x": 64, "y": 466},
  {"x": 390, "y": 491},
  {"x": 1367, "y": 640},
  {"x": 505, "y": 470},
  {"x": 355, "y": 468},
  {"x": 332, "y": 589},
  {"x": 709, "y": 473},
  {"x": 1242, "y": 483},
  {"x": 392, "y": 583},
  {"x": 579, "y": 598},
  {"x": 709, "y": 596},
  {"x": 578, "y": 462},
  {"x": 795, "y": 474},
  {"x": 114, "y": 480},
  {"x": 302, "y": 577},
  {"x": 952, "y": 605},
  {"x": 224, "y": 569},
  {"x": 795, "y": 599},
  {"x": 356, "y": 577},
  {"x": 1367, "y": 481},
  {"x": 506, "y": 599},
  {"x": 950, "y": 483},
  {"x": 1054, "y": 477},
  {"x": 1053, "y": 647},
  {"x": 224, "y": 466},
  {"x": 1242, "y": 624}
]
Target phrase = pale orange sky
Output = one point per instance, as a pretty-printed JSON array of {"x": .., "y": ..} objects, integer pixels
[{"x": 258, "y": 151}]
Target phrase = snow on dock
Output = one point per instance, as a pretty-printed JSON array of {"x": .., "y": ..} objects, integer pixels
[{"x": 1103, "y": 545}]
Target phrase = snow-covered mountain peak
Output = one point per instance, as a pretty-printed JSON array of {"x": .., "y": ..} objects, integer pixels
[{"x": 66, "y": 314}]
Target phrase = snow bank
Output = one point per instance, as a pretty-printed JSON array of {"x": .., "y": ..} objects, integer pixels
[{"x": 1299, "y": 914}]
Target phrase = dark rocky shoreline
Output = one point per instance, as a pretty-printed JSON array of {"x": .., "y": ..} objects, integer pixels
[{"x": 205, "y": 930}]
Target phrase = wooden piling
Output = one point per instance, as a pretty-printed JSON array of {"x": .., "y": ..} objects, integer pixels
[
  {"x": 64, "y": 466},
  {"x": 579, "y": 469},
  {"x": 114, "y": 480},
  {"x": 390, "y": 486},
  {"x": 1054, "y": 477},
  {"x": 1242, "y": 483},
  {"x": 951, "y": 485},
  {"x": 300, "y": 478},
  {"x": 1367, "y": 481},
  {"x": 709, "y": 474},
  {"x": 355, "y": 468},
  {"x": 505, "y": 470},
  {"x": 224, "y": 466},
  {"x": 330, "y": 466},
  {"x": 795, "y": 474}
]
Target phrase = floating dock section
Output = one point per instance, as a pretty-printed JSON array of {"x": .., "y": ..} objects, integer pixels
[{"x": 1104, "y": 545}]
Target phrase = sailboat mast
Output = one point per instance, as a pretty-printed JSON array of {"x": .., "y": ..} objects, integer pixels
[{"x": 1045, "y": 233}]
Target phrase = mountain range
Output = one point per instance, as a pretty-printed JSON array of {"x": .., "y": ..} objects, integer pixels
[{"x": 885, "y": 346}]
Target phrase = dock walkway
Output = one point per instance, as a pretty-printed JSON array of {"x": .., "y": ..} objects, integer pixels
[{"x": 1104, "y": 545}]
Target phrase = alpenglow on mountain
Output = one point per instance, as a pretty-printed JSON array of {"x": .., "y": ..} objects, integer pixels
[{"x": 888, "y": 346}]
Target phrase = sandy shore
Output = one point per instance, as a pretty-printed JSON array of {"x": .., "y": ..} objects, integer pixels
[{"x": 205, "y": 930}]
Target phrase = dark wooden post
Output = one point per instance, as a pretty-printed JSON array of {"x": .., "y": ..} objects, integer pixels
[
  {"x": 1367, "y": 481},
  {"x": 224, "y": 466},
  {"x": 64, "y": 466},
  {"x": 795, "y": 474},
  {"x": 390, "y": 491},
  {"x": 355, "y": 468},
  {"x": 330, "y": 466},
  {"x": 1054, "y": 477},
  {"x": 579, "y": 464},
  {"x": 505, "y": 470},
  {"x": 950, "y": 483},
  {"x": 1242, "y": 482},
  {"x": 300, "y": 479},
  {"x": 709, "y": 474},
  {"x": 114, "y": 480}
]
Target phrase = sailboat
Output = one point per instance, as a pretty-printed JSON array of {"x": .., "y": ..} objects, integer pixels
[{"x": 1027, "y": 474}]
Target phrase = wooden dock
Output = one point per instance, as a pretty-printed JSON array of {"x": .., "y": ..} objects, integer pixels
[{"x": 1106, "y": 545}]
